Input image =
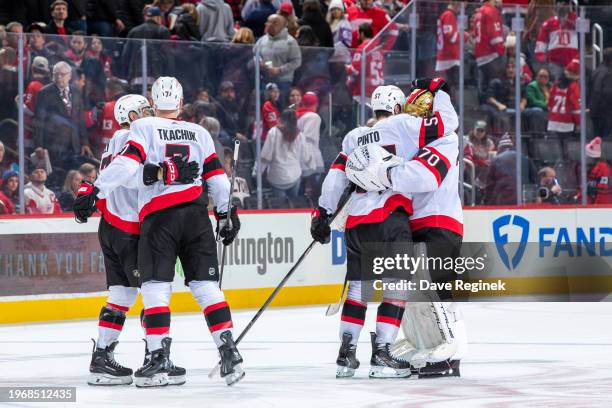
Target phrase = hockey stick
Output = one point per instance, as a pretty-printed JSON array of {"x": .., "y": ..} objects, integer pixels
[
  {"x": 229, "y": 208},
  {"x": 335, "y": 307},
  {"x": 343, "y": 200}
]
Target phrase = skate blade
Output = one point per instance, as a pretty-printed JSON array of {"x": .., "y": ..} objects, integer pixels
[
  {"x": 176, "y": 380},
  {"x": 344, "y": 372},
  {"x": 157, "y": 380},
  {"x": 236, "y": 376},
  {"x": 448, "y": 373},
  {"x": 107, "y": 379},
  {"x": 388, "y": 372}
]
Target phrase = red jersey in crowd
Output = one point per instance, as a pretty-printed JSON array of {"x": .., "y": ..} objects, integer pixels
[
  {"x": 558, "y": 41},
  {"x": 105, "y": 123},
  {"x": 30, "y": 94},
  {"x": 564, "y": 107},
  {"x": 447, "y": 41},
  {"x": 6, "y": 205},
  {"x": 374, "y": 66},
  {"x": 270, "y": 115},
  {"x": 598, "y": 181},
  {"x": 488, "y": 38},
  {"x": 375, "y": 16},
  {"x": 40, "y": 200}
]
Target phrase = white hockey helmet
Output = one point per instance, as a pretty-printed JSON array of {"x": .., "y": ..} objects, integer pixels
[
  {"x": 167, "y": 93},
  {"x": 130, "y": 103},
  {"x": 386, "y": 98}
]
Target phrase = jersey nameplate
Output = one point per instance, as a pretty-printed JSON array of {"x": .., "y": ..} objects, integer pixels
[
  {"x": 177, "y": 134},
  {"x": 372, "y": 137}
]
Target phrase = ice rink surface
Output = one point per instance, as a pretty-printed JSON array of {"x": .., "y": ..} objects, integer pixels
[{"x": 521, "y": 355}]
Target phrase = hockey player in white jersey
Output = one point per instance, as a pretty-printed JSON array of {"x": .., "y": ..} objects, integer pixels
[
  {"x": 381, "y": 215},
  {"x": 175, "y": 223},
  {"x": 434, "y": 330},
  {"x": 118, "y": 234}
]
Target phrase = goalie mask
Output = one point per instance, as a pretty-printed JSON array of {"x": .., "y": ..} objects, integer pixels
[
  {"x": 419, "y": 103},
  {"x": 368, "y": 165}
]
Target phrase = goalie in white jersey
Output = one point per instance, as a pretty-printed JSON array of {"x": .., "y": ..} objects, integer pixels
[
  {"x": 118, "y": 234},
  {"x": 175, "y": 222},
  {"x": 380, "y": 214}
]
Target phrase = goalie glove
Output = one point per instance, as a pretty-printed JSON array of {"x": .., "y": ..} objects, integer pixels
[
  {"x": 174, "y": 170},
  {"x": 368, "y": 167},
  {"x": 85, "y": 202},
  {"x": 319, "y": 225},
  {"x": 433, "y": 85},
  {"x": 225, "y": 230}
]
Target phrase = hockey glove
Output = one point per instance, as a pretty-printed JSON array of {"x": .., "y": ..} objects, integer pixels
[
  {"x": 432, "y": 84},
  {"x": 85, "y": 202},
  {"x": 319, "y": 226},
  {"x": 225, "y": 231},
  {"x": 174, "y": 170}
]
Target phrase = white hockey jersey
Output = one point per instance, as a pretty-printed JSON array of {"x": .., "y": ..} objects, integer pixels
[
  {"x": 404, "y": 136},
  {"x": 120, "y": 206},
  {"x": 152, "y": 140}
]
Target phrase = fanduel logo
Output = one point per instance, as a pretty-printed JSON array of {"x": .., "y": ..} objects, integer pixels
[{"x": 501, "y": 239}]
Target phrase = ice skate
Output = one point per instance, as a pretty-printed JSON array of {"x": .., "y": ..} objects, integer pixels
[
  {"x": 156, "y": 372},
  {"x": 230, "y": 359},
  {"x": 384, "y": 365},
  {"x": 105, "y": 370},
  {"x": 176, "y": 376},
  {"x": 446, "y": 368},
  {"x": 347, "y": 360}
]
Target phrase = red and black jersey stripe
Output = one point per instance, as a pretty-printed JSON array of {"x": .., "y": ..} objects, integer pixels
[
  {"x": 390, "y": 314},
  {"x": 354, "y": 312},
  {"x": 218, "y": 316},
  {"x": 134, "y": 151},
  {"x": 212, "y": 167},
  {"x": 434, "y": 161},
  {"x": 157, "y": 320},
  {"x": 340, "y": 162},
  {"x": 432, "y": 128}
]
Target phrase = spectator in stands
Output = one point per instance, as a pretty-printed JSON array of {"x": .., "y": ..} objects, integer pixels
[
  {"x": 295, "y": 97},
  {"x": 241, "y": 187},
  {"x": 447, "y": 57},
  {"x": 314, "y": 71},
  {"x": 238, "y": 67},
  {"x": 280, "y": 54},
  {"x": 501, "y": 180},
  {"x": 216, "y": 21},
  {"x": 88, "y": 172},
  {"x": 309, "y": 125},
  {"x": 281, "y": 155},
  {"x": 13, "y": 29},
  {"x": 77, "y": 15},
  {"x": 313, "y": 17},
  {"x": 8, "y": 83},
  {"x": 96, "y": 51},
  {"x": 537, "y": 94},
  {"x": 203, "y": 95},
  {"x": 286, "y": 10},
  {"x": 362, "y": 12},
  {"x": 229, "y": 113},
  {"x": 557, "y": 41},
  {"x": 257, "y": 17},
  {"x": 600, "y": 97},
  {"x": 489, "y": 49},
  {"x": 538, "y": 12},
  {"x": 184, "y": 23},
  {"x": 9, "y": 195},
  {"x": 599, "y": 175},
  {"x": 165, "y": 6},
  {"x": 40, "y": 158},
  {"x": 549, "y": 190},
  {"x": 564, "y": 102},
  {"x": 341, "y": 31},
  {"x": 70, "y": 189},
  {"x": 479, "y": 149},
  {"x": 59, "y": 14},
  {"x": 38, "y": 198},
  {"x": 76, "y": 53},
  {"x": 159, "y": 59},
  {"x": 36, "y": 41},
  {"x": 60, "y": 120},
  {"x": 500, "y": 98},
  {"x": 270, "y": 110},
  {"x": 103, "y": 18},
  {"x": 130, "y": 12}
]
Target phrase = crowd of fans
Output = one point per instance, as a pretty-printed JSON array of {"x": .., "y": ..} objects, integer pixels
[{"x": 310, "y": 70}]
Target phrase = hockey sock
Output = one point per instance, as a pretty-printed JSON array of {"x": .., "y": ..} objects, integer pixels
[
  {"x": 388, "y": 321},
  {"x": 110, "y": 325},
  {"x": 156, "y": 298},
  {"x": 112, "y": 316},
  {"x": 352, "y": 319},
  {"x": 157, "y": 326},
  {"x": 216, "y": 310}
]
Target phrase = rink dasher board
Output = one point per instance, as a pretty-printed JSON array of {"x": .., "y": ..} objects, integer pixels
[{"x": 248, "y": 282}]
